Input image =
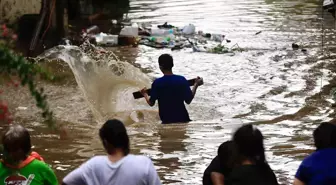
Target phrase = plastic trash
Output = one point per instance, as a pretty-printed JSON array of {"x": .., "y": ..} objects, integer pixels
[
  {"x": 99, "y": 37},
  {"x": 129, "y": 31},
  {"x": 159, "y": 40},
  {"x": 161, "y": 32},
  {"x": 111, "y": 40},
  {"x": 170, "y": 37},
  {"x": 106, "y": 39},
  {"x": 165, "y": 25},
  {"x": 189, "y": 29},
  {"x": 217, "y": 37},
  {"x": 157, "y": 32},
  {"x": 92, "y": 30}
]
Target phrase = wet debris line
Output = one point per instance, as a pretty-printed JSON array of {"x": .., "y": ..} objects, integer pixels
[{"x": 164, "y": 36}]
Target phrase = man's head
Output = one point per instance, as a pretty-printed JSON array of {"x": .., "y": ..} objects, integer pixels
[
  {"x": 114, "y": 137},
  {"x": 325, "y": 136},
  {"x": 16, "y": 143},
  {"x": 166, "y": 63}
]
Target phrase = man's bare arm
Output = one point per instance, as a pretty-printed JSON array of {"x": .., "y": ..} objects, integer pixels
[
  {"x": 298, "y": 182},
  {"x": 217, "y": 178}
]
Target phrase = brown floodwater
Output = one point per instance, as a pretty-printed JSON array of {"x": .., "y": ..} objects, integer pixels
[{"x": 285, "y": 93}]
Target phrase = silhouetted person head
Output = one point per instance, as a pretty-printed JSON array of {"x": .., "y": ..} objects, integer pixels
[
  {"x": 325, "y": 136},
  {"x": 16, "y": 143},
  {"x": 166, "y": 63},
  {"x": 249, "y": 144},
  {"x": 249, "y": 147},
  {"x": 225, "y": 153},
  {"x": 114, "y": 137}
]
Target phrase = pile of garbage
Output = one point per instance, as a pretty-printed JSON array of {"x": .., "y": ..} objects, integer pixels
[{"x": 164, "y": 36}]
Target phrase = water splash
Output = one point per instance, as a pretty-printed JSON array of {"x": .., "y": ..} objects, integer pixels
[{"x": 106, "y": 82}]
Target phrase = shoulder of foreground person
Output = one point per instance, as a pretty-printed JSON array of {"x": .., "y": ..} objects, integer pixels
[
  {"x": 146, "y": 164},
  {"x": 323, "y": 154},
  {"x": 143, "y": 162},
  {"x": 314, "y": 161},
  {"x": 140, "y": 158},
  {"x": 46, "y": 170},
  {"x": 40, "y": 165},
  {"x": 254, "y": 175},
  {"x": 96, "y": 160}
]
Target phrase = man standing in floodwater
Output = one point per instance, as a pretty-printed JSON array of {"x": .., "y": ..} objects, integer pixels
[{"x": 171, "y": 91}]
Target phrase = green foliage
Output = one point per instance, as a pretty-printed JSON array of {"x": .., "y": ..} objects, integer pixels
[
  {"x": 11, "y": 63},
  {"x": 14, "y": 64}
]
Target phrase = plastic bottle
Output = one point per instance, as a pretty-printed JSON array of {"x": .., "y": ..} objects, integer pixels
[
  {"x": 170, "y": 37},
  {"x": 157, "y": 32},
  {"x": 92, "y": 30},
  {"x": 152, "y": 39},
  {"x": 169, "y": 32},
  {"x": 161, "y": 32}
]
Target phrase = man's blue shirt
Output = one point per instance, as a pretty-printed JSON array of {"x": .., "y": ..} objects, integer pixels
[
  {"x": 172, "y": 91},
  {"x": 319, "y": 168}
]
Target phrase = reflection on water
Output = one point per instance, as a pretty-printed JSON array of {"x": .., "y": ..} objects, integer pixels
[{"x": 285, "y": 92}]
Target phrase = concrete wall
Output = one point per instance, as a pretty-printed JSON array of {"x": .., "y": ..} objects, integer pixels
[{"x": 13, "y": 9}]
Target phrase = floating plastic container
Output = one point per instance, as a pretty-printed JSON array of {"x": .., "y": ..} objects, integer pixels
[
  {"x": 110, "y": 40},
  {"x": 129, "y": 31},
  {"x": 106, "y": 39}
]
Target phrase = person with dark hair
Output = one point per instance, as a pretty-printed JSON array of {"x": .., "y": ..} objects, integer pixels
[
  {"x": 220, "y": 167},
  {"x": 319, "y": 167},
  {"x": 171, "y": 91},
  {"x": 250, "y": 165},
  {"x": 19, "y": 165},
  {"x": 118, "y": 167}
]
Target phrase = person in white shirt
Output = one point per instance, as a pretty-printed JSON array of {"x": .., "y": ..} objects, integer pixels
[{"x": 118, "y": 166}]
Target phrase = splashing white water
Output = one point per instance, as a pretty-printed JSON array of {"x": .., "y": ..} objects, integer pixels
[{"x": 107, "y": 82}]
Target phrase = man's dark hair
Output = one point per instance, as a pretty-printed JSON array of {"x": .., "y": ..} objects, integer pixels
[
  {"x": 114, "y": 136},
  {"x": 16, "y": 138},
  {"x": 166, "y": 62},
  {"x": 249, "y": 145},
  {"x": 325, "y": 136}
]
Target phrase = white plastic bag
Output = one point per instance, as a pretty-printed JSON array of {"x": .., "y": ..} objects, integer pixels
[
  {"x": 129, "y": 31},
  {"x": 189, "y": 29}
]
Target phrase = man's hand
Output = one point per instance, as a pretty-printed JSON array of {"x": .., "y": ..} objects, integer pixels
[
  {"x": 145, "y": 94},
  {"x": 198, "y": 81},
  {"x": 144, "y": 91}
]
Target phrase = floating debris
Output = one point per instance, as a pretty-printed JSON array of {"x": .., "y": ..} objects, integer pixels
[{"x": 295, "y": 46}]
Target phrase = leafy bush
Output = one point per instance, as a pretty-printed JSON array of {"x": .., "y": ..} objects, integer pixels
[{"x": 13, "y": 64}]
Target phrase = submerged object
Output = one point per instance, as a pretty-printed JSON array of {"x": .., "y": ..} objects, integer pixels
[{"x": 295, "y": 46}]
